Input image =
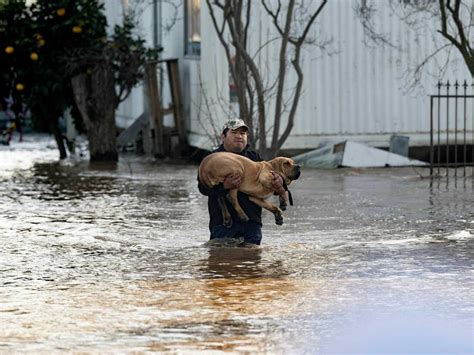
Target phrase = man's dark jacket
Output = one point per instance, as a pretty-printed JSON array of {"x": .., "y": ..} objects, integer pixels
[{"x": 253, "y": 211}]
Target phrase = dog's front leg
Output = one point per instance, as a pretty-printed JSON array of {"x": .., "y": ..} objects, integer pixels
[
  {"x": 283, "y": 201},
  {"x": 280, "y": 191},
  {"x": 270, "y": 207}
]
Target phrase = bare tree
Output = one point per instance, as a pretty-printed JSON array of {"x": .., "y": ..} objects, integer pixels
[
  {"x": 456, "y": 31},
  {"x": 292, "y": 24},
  {"x": 205, "y": 108},
  {"x": 454, "y": 19}
]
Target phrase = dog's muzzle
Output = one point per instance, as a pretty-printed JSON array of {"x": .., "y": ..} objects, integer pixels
[{"x": 296, "y": 172}]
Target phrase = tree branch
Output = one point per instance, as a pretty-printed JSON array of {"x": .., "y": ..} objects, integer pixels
[{"x": 282, "y": 72}]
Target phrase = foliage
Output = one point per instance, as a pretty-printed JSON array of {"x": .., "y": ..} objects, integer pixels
[
  {"x": 42, "y": 35},
  {"x": 54, "y": 40},
  {"x": 16, "y": 44},
  {"x": 124, "y": 53}
]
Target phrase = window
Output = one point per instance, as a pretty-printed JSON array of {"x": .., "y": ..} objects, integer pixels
[{"x": 192, "y": 30}]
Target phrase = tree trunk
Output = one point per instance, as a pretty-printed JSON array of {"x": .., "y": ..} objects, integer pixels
[{"x": 96, "y": 100}]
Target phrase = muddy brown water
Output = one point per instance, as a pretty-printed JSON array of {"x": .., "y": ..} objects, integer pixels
[{"x": 113, "y": 259}]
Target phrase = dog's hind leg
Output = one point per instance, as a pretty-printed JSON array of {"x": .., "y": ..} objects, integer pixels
[
  {"x": 232, "y": 197},
  {"x": 270, "y": 207},
  {"x": 226, "y": 218}
]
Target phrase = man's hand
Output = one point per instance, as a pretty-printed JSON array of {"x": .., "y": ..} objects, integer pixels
[
  {"x": 232, "y": 182},
  {"x": 277, "y": 181}
]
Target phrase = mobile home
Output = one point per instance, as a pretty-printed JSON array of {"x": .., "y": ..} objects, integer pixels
[{"x": 353, "y": 88}]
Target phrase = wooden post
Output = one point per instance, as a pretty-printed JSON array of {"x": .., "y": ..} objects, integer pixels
[
  {"x": 155, "y": 107},
  {"x": 173, "y": 74}
]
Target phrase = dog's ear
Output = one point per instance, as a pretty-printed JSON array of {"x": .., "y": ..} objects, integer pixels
[{"x": 279, "y": 164}]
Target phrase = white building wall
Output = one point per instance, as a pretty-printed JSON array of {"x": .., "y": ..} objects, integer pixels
[{"x": 355, "y": 92}]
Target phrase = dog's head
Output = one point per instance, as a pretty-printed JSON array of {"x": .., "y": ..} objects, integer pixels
[{"x": 287, "y": 168}]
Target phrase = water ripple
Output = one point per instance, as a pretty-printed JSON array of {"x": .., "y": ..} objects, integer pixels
[{"x": 113, "y": 259}]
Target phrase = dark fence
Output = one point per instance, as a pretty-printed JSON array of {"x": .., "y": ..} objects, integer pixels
[{"x": 452, "y": 129}]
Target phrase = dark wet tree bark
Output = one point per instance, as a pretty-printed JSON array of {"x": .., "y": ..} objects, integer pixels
[{"x": 96, "y": 100}]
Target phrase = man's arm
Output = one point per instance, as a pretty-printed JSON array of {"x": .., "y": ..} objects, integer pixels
[{"x": 277, "y": 181}]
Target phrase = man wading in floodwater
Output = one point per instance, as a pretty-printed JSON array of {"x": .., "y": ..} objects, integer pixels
[{"x": 234, "y": 140}]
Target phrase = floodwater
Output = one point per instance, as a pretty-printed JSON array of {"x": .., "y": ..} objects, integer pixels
[{"x": 104, "y": 259}]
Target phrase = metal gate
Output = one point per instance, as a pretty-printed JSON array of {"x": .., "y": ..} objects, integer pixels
[{"x": 452, "y": 129}]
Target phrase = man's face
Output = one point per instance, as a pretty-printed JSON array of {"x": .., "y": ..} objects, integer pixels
[{"x": 235, "y": 140}]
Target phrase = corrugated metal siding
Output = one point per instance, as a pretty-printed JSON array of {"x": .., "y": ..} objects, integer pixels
[
  {"x": 362, "y": 89},
  {"x": 357, "y": 93}
]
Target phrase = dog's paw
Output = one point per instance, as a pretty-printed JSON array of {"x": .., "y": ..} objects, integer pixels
[
  {"x": 283, "y": 207},
  {"x": 279, "y": 219}
]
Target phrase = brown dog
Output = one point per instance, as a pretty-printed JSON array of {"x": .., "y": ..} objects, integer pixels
[{"x": 256, "y": 181}]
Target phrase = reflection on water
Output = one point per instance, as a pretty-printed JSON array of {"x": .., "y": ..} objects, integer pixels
[
  {"x": 114, "y": 259},
  {"x": 233, "y": 263}
]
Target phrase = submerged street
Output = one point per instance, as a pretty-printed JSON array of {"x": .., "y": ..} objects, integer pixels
[{"x": 102, "y": 258}]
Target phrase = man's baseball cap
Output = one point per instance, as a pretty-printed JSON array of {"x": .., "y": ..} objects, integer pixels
[{"x": 234, "y": 123}]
